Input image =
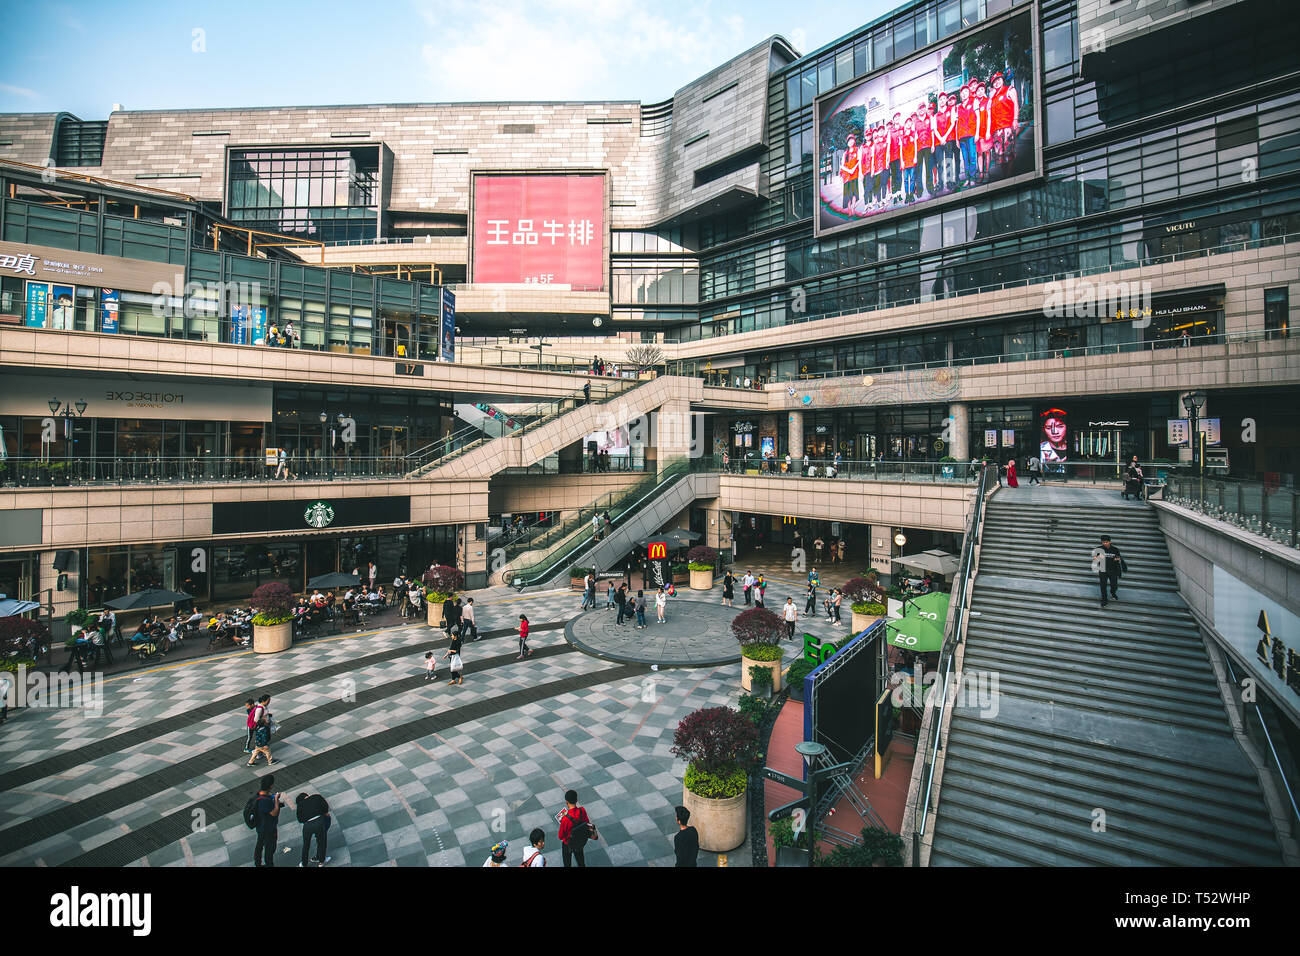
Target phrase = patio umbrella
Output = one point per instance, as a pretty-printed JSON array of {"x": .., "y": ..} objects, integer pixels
[
  {"x": 934, "y": 561},
  {"x": 334, "y": 579},
  {"x": 151, "y": 597},
  {"x": 921, "y": 627},
  {"x": 11, "y": 606}
]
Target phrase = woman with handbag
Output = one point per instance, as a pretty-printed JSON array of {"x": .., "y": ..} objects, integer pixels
[{"x": 575, "y": 829}]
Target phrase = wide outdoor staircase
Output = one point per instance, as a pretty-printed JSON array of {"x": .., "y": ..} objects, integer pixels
[
  {"x": 1110, "y": 744},
  {"x": 546, "y": 428},
  {"x": 635, "y": 513}
]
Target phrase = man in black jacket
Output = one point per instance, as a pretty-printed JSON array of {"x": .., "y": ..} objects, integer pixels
[
  {"x": 1109, "y": 564},
  {"x": 450, "y": 614},
  {"x": 314, "y": 815},
  {"x": 686, "y": 842}
]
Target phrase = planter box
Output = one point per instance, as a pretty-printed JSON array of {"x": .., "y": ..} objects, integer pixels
[
  {"x": 863, "y": 621},
  {"x": 773, "y": 666},
  {"x": 682, "y": 578},
  {"x": 796, "y": 689},
  {"x": 720, "y": 823},
  {"x": 434, "y": 612},
  {"x": 701, "y": 580},
  {"x": 272, "y": 638}
]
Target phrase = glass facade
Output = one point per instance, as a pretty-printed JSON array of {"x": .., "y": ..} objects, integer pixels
[{"x": 326, "y": 194}]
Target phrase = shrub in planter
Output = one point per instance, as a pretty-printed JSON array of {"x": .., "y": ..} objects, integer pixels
[
  {"x": 800, "y": 669},
  {"x": 758, "y": 625},
  {"x": 702, "y": 558},
  {"x": 872, "y": 608},
  {"x": 274, "y": 604},
  {"x": 879, "y": 847},
  {"x": 716, "y": 786},
  {"x": 443, "y": 583},
  {"x": 753, "y": 708},
  {"x": 13, "y": 663},
  {"x": 760, "y": 680},
  {"x": 716, "y": 740},
  {"x": 783, "y": 834},
  {"x": 767, "y": 653},
  {"x": 79, "y": 617},
  {"x": 681, "y": 568},
  {"x": 578, "y": 573}
]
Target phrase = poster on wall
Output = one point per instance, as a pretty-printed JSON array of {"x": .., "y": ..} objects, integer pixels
[
  {"x": 247, "y": 325},
  {"x": 658, "y": 564},
  {"x": 1008, "y": 438},
  {"x": 990, "y": 438},
  {"x": 62, "y": 310},
  {"x": 956, "y": 118},
  {"x": 38, "y": 295},
  {"x": 767, "y": 446},
  {"x": 1053, "y": 446},
  {"x": 109, "y": 300},
  {"x": 447, "y": 345}
]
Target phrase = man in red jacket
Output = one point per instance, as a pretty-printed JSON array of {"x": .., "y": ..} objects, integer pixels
[{"x": 575, "y": 829}]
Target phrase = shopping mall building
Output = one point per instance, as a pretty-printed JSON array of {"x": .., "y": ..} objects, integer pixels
[{"x": 970, "y": 228}]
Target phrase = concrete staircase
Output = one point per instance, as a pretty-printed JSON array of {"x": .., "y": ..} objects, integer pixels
[{"x": 1110, "y": 744}]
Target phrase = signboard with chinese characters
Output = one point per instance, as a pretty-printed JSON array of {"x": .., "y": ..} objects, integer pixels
[
  {"x": 109, "y": 300},
  {"x": 48, "y": 264},
  {"x": 544, "y": 228},
  {"x": 1178, "y": 430},
  {"x": 247, "y": 325},
  {"x": 990, "y": 438},
  {"x": 1008, "y": 438},
  {"x": 38, "y": 294},
  {"x": 447, "y": 343}
]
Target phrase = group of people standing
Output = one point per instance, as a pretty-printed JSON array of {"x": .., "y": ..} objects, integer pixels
[
  {"x": 942, "y": 146},
  {"x": 755, "y": 589},
  {"x": 600, "y": 367}
]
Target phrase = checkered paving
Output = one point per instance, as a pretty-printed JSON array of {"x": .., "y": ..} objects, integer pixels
[{"x": 502, "y": 750}]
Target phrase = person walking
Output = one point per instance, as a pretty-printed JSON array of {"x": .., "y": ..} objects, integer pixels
[
  {"x": 467, "y": 621},
  {"x": 760, "y": 591},
  {"x": 686, "y": 842},
  {"x": 609, "y": 595},
  {"x": 533, "y": 854},
  {"x": 313, "y": 813},
  {"x": 457, "y": 665},
  {"x": 430, "y": 667},
  {"x": 523, "y": 638},
  {"x": 661, "y": 601},
  {"x": 811, "y": 605},
  {"x": 262, "y": 741},
  {"x": 374, "y": 575},
  {"x": 575, "y": 830},
  {"x": 266, "y": 820},
  {"x": 748, "y": 582},
  {"x": 791, "y": 614},
  {"x": 835, "y": 607},
  {"x": 588, "y": 592},
  {"x": 448, "y": 613},
  {"x": 249, "y": 725},
  {"x": 640, "y": 609},
  {"x": 728, "y": 588},
  {"x": 1011, "y": 474},
  {"x": 1035, "y": 469},
  {"x": 1109, "y": 565}
]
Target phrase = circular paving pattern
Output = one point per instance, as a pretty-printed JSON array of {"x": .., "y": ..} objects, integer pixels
[{"x": 694, "y": 634}]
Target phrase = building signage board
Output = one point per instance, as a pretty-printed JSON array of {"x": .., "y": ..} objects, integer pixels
[
  {"x": 542, "y": 228},
  {"x": 38, "y": 294},
  {"x": 447, "y": 342},
  {"x": 22, "y": 394},
  {"x": 304, "y": 514},
  {"x": 1178, "y": 430},
  {"x": 48, "y": 264},
  {"x": 109, "y": 300}
]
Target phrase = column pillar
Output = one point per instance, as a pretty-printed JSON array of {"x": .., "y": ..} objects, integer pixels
[
  {"x": 959, "y": 431},
  {"x": 471, "y": 555},
  {"x": 672, "y": 433},
  {"x": 882, "y": 551},
  {"x": 795, "y": 440}
]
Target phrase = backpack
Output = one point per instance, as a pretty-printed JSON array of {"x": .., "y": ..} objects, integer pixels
[
  {"x": 251, "y": 814},
  {"x": 528, "y": 860},
  {"x": 579, "y": 833}
]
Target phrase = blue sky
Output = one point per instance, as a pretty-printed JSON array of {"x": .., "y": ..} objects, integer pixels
[{"x": 85, "y": 56}]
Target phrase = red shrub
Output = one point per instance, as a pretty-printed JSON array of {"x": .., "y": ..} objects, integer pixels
[
  {"x": 758, "y": 625},
  {"x": 715, "y": 739}
]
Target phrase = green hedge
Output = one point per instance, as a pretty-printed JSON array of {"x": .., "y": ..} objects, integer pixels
[
  {"x": 762, "y": 652},
  {"x": 868, "y": 607},
  {"x": 715, "y": 786}
]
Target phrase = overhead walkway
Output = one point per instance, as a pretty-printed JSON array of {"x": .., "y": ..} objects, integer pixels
[{"x": 1110, "y": 744}]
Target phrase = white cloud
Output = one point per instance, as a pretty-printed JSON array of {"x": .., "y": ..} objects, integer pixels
[
  {"x": 19, "y": 91},
  {"x": 571, "y": 49}
]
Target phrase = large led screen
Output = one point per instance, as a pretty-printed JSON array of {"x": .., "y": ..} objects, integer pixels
[
  {"x": 539, "y": 228},
  {"x": 954, "y": 120}
]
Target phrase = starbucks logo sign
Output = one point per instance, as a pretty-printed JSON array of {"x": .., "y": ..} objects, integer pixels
[{"x": 319, "y": 514}]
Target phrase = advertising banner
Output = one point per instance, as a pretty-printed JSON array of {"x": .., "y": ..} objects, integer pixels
[
  {"x": 957, "y": 117},
  {"x": 38, "y": 294},
  {"x": 62, "y": 311},
  {"x": 659, "y": 567},
  {"x": 539, "y": 228},
  {"x": 109, "y": 300},
  {"x": 447, "y": 347},
  {"x": 247, "y": 325},
  {"x": 1179, "y": 430}
]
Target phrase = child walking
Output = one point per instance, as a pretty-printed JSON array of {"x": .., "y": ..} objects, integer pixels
[{"x": 430, "y": 667}]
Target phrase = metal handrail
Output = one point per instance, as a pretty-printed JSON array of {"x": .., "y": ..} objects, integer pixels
[
  {"x": 55, "y": 470},
  {"x": 1277, "y": 761},
  {"x": 955, "y": 635},
  {"x": 1280, "y": 525}
]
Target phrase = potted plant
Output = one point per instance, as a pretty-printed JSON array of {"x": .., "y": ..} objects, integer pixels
[
  {"x": 273, "y": 622},
  {"x": 760, "y": 681},
  {"x": 59, "y": 473},
  {"x": 441, "y": 584},
  {"x": 794, "y": 676},
  {"x": 878, "y": 848},
  {"x": 866, "y": 600},
  {"x": 719, "y": 745},
  {"x": 702, "y": 560},
  {"x": 681, "y": 573},
  {"x": 784, "y": 836},
  {"x": 759, "y": 633},
  {"x": 578, "y": 577}
]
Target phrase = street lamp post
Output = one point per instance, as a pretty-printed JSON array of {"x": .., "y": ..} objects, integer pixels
[
  {"x": 1193, "y": 402},
  {"x": 65, "y": 410}
]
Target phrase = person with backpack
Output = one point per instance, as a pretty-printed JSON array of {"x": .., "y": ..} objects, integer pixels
[
  {"x": 262, "y": 741},
  {"x": 533, "y": 854},
  {"x": 523, "y": 638},
  {"x": 254, "y": 718},
  {"x": 262, "y": 813},
  {"x": 314, "y": 814},
  {"x": 575, "y": 830}
]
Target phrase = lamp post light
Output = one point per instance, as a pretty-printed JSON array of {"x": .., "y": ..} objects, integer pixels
[
  {"x": 67, "y": 411},
  {"x": 1194, "y": 402}
]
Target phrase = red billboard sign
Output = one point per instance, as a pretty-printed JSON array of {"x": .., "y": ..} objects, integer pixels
[
  {"x": 546, "y": 228},
  {"x": 657, "y": 550}
]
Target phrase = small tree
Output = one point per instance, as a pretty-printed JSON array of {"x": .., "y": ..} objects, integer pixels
[
  {"x": 702, "y": 558},
  {"x": 758, "y": 625},
  {"x": 861, "y": 590},
  {"x": 645, "y": 357},
  {"x": 716, "y": 740},
  {"x": 443, "y": 582},
  {"x": 273, "y": 602}
]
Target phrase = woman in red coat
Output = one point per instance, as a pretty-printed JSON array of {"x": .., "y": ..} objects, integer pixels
[
  {"x": 1011, "y": 474},
  {"x": 523, "y": 638}
]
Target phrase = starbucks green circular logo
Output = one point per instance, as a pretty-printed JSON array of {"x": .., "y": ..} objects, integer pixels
[{"x": 319, "y": 514}]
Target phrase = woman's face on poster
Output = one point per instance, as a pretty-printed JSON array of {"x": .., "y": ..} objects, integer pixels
[{"x": 1054, "y": 430}]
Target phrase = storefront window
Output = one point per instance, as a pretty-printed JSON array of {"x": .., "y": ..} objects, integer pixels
[
  {"x": 240, "y": 570},
  {"x": 106, "y": 576}
]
